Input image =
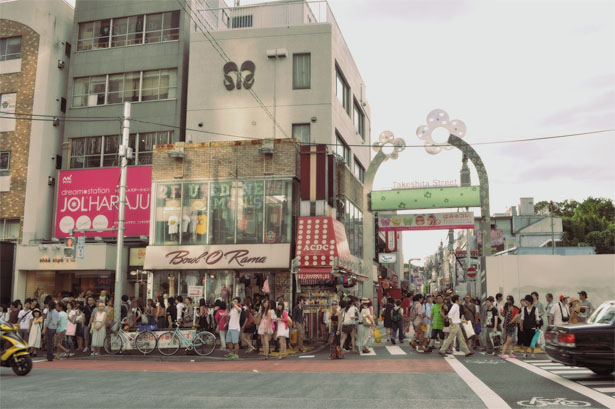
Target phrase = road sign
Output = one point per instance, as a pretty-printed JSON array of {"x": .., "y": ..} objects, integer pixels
[
  {"x": 471, "y": 272},
  {"x": 80, "y": 247}
]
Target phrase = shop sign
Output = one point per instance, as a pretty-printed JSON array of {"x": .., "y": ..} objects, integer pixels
[
  {"x": 137, "y": 257},
  {"x": 195, "y": 291},
  {"x": 391, "y": 241},
  {"x": 88, "y": 199},
  {"x": 427, "y": 221},
  {"x": 232, "y": 256},
  {"x": 387, "y": 258},
  {"x": 425, "y": 198}
]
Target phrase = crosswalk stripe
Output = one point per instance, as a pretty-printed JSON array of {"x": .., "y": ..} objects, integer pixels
[
  {"x": 536, "y": 361},
  {"x": 584, "y": 371},
  {"x": 307, "y": 356},
  {"x": 605, "y": 390},
  {"x": 395, "y": 350},
  {"x": 598, "y": 383},
  {"x": 561, "y": 367},
  {"x": 458, "y": 353}
]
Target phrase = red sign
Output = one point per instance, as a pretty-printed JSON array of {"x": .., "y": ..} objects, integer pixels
[
  {"x": 471, "y": 272},
  {"x": 89, "y": 198}
]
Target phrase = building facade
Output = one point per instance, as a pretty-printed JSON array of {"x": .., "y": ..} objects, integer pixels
[{"x": 35, "y": 48}]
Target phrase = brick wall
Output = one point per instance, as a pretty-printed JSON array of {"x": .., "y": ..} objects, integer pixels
[
  {"x": 226, "y": 160},
  {"x": 18, "y": 141}
]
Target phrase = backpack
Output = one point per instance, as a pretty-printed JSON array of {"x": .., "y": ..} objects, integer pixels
[{"x": 396, "y": 314}]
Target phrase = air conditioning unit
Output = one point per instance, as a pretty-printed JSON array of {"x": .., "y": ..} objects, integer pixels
[
  {"x": 178, "y": 152},
  {"x": 267, "y": 147}
]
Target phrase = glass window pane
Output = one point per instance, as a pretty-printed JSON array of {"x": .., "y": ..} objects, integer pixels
[
  {"x": 135, "y": 24},
  {"x": 131, "y": 86},
  {"x": 168, "y": 213},
  {"x": 145, "y": 158},
  {"x": 13, "y": 48},
  {"x": 153, "y": 33},
  {"x": 120, "y": 26},
  {"x": 116, "y": 82},
  {"x": 301, "y": 71},
  {"x": 151, "y": 83},
  {"x": 77, "y": 146},
  {"x": 222, "y": 213},
  {"x": 110, "y": 160},
  {"x": 112, "y": 144},
  {"x": 195, "y": 218},
  {"x": 278, "y": 198},
  {"x": 250, "y": 198},
  {"x": 81, "y": 86},
  {"x": 86, "y": 31},
  {"x": 301, "y": 132},
  {"x": 92, "y": 145},
  {"x": 101, "y": 33},
  {"x": 77, "y": 163},
  {"x": 92, "y": 161},
  {"x": 146, "y": 141}
]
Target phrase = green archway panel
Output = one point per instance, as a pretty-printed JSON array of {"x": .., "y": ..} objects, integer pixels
[{"x": 425, "y": 198}]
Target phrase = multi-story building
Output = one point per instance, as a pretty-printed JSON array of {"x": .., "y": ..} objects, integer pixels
[
  {"x": 35, "y": 49},
  {"x": 122, "y": 51}
]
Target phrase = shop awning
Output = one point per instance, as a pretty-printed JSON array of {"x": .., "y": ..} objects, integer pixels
[{"x": 314, "y": 275}]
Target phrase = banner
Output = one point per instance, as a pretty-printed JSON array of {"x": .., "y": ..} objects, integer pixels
[
  {"x": 89, "y": 198},
  {"x": 427, "y": 221}
]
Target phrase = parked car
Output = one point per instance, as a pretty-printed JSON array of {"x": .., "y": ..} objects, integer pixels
[{"x": 590, "y": 344}]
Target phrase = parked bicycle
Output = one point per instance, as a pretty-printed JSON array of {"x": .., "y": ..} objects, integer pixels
[
  {"x": 203, "y": 343},
  {"x": 144, "y": 341}
]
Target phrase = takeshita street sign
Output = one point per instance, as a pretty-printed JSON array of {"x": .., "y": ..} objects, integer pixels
[{"x": 426, "y": 198}]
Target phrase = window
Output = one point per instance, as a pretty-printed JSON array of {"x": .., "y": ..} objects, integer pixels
[
  {"x": 119, "y": 88},
  {"x": 359, "y": 120},
  {"x": 301, "y": 71},
  {"x": 250, "y": 211},
  {"x": 10, "y": 48},
  {"x": 352, "y": 218},
  {"x": 358, "y": 170},
  {"x": 125, "y": 31},
  {"x": 241, "y": 21},
  {"x": 63, "y": 105},
  {"x": 9, "y": 229},
  {"x": 144, "y": 150},
  {"x": 342, "y": 90},
  {"x": 222, "y": 213},
  {"x": 301, "y": 132},
  {"x": 342, "y": 150},
  {"x": 5, "y": 160}
]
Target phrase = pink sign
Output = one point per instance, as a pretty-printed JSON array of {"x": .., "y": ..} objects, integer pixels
[{"x": 88, "y": 199}]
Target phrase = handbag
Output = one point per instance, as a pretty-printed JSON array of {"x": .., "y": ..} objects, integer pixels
[
  {"x": 377, "y": 336},
  {"x": 467, "y": 327},
  {"x": 535, "y": 338}
]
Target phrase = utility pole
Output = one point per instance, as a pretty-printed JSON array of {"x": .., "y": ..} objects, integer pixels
[{"x": 124, "y": 152}]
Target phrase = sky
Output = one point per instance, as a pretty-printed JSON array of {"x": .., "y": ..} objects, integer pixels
[{"x": 510, "y": 69}]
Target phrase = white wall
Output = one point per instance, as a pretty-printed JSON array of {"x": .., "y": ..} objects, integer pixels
[{"x": 520, "y": 275}]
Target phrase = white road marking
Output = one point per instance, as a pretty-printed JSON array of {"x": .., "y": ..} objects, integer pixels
[
  {"x": 371, "y": 352},
  {"x": 488, "y": 396},
  {"x": 606, "y": 390},
  {"x": 307, "y": 356},
  {"x": 562, "y": 367},
  {"x": 458, "y": 353},
  {"x": 395, "y": 350},
  {"x": 598, "y": 382},
  {"x": 539, "y": 360},
  {"x": 584, "y": 390},
  {"x": 573, "y": 372}
]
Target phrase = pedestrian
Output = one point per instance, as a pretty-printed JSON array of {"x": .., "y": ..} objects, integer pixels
[
  {"x": 188, "y": 316},
  {"x": 24, "y": 318},
  {"x": 98, "y": 328},
  {"x": 469, "y": 314},
  {"x": 49, "y": 328},
  {"x": 266, "y": 325},
  {"x": 87, "y": 312},
  {"x": 516, "y": 310},
  {"x": 528, "y": 324},
  {"x": 575, "y": 309},
  {"x": 160, "y": 315},
  {"x": 491, "y": 324},
  {"x": 283, "y": 331},
  {"x": 335, "y": 326},
  {"x": 150, "y": 312},
  {"x": 221, "y": 318},
  {"x": 427, "y": 306},
  {"x": 550, "y": 303},
  {"x": 436, "y": 316},
  {"x": 350, "y": 316},
  {"x": 539, "y": 306},
  {"x": 80, "y": 321},
  {"x": 455, "y": 324},
  {"x": 499, "y": 304},
  {"x": 60, "y": 335},
  {"x": 298, "y": 319},
  {"x": 71, "y": 328},
  {"x": 249, "y": 325},
  {"x": 366, "y": 324},
  {"x": 386, "y": 317},
  {"x": 586, "y": 307},
  {"x": 14, "y": 313},
  {"x": 416, "y": 318},
  {"x": 171, "y": 314},
  {"x": 34, "y": 338},
  {"x": 203, "y": 316},
  {"x": 233, "y": 329},
  {"x": 509, "y": 326},
  {"x": 559, "y": 313}
]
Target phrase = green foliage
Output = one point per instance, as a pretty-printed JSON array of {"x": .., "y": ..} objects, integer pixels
[{"x": 590, "y": 223}]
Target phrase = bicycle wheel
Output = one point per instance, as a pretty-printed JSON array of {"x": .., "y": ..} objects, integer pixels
[
  {"x": 204, "y": 343},
  {"x": 146, "y": 342},
  {"x": 575, "y": 403},
  {"x": 168, "y": 343},
  {"x": 113, "y": 343}
]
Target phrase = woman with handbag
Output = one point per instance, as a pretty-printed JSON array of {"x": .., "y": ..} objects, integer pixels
[
  {"x": 283, "y": 332},
  {"x": 366, "y": 328},
  {"x": 265, "y": 328}
]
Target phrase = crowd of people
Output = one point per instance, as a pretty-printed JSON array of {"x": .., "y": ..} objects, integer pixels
[
  {"x": 491, "y": 325},
  {"x": 63, "y": 325}
]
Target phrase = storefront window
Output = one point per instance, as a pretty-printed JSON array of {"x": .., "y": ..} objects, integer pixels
[
  {"x": 194, "y": 218},
  {"x": 168, "y": 213},
  {"x": 278, "y": 213},
  {"x": 250, "y": 211},
  {"x": 222, "y": 213}
]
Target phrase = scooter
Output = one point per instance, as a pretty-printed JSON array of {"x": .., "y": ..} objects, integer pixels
[{"x": 16, "y": 355}]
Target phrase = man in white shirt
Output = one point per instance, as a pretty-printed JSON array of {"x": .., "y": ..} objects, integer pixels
[
  {"x": 234, "y": 327},
  {"x": 455, "y": 320},
  {"x": 559, "y": 314},
  {"x": 24, "y": 317},
  {"x": 180, "y": 308}
]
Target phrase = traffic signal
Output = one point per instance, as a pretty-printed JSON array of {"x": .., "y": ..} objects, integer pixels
[{"x": 70, "y": 248}]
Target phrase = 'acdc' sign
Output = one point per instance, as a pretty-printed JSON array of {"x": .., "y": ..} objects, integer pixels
[{"x": 247, "y": 79}]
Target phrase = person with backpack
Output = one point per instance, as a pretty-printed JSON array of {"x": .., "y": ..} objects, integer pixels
[
  {"x": 530, "y": 321},
  {"x": 397, "y": 322}
]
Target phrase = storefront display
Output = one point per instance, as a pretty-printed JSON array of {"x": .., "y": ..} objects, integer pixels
[{"x": 317, "y": 302}]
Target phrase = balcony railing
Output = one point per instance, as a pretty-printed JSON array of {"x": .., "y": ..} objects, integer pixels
[{"x": 263, "y": 15}]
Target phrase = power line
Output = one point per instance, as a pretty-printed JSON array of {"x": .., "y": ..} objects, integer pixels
[
  {"x": 214, "y": 43},
  {"x": 59, "y": 116}
]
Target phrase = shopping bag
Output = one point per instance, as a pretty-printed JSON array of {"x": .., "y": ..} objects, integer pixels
[
  {"x": 467, "y": 327},
  {"x": 377, "y": 336},
  {"x": 535, "y": 338}
]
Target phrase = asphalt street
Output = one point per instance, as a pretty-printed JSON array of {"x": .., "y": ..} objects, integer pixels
[{"x": 388, "y": 377}]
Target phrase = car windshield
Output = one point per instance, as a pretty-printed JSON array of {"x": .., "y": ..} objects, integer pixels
[{"x": 605, "y": 314}]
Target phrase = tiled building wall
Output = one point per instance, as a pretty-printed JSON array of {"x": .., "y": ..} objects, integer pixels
[
  {"x": 18, "y": 141},
  {"x": 227, "y": 160}
]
